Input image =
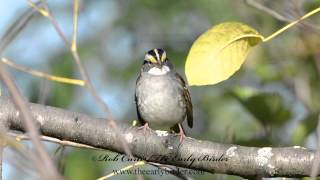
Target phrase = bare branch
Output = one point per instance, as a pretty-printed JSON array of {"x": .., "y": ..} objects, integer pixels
[{"x": 163, "y": 148}]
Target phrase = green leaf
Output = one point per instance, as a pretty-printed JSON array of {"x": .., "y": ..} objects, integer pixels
[
  {"x": 219, "y": 53},
  {"x": 304, "y": 128},
  {"x": 267, "y": 108}
]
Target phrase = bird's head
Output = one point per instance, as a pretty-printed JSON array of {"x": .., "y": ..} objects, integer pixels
[{"x": 156, "y": 62}]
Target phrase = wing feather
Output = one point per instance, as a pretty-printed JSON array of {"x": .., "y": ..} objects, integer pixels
[
  {"x": 136, "y": 102},
  {"x": 187, "y": 98}
]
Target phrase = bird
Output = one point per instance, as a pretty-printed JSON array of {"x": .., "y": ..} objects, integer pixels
[{"x": 162, "y": 97}]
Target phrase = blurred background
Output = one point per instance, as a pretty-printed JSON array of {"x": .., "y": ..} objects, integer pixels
[{"x": 273, "y": 100}]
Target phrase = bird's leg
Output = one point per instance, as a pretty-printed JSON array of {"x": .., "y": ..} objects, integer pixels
[
  {"x": 181, "y": 133},
  {"x": 145, "y": 127}
]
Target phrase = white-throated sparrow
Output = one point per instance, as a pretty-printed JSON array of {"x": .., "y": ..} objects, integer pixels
[{"x": 162, "y": 98}]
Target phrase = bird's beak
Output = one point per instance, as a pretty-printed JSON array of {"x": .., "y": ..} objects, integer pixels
[{"x": 159, "y": 64}]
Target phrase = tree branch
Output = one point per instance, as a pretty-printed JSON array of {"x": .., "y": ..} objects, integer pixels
[{"x": 165, "y": 148}]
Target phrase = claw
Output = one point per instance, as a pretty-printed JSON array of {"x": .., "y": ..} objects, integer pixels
[
  {"x": 181, "y": 133},
  {"x": 145, "y": 127}
]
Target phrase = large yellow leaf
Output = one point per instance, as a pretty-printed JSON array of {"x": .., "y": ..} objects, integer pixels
[{"x": 219, "y": 53}]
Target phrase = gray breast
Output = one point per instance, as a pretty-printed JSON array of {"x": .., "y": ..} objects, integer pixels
[{"x": 160, "y": 100}]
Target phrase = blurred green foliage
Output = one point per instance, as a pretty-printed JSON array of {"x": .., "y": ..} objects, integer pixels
[
  {"x": 79, "y": 165},
  {"x": 267, "y": 108}
]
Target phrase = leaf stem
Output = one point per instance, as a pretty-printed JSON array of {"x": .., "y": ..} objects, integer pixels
[{"x": 291, "y": 24}]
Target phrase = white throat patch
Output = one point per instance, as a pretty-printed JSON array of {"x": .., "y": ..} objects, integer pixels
[{"x": 157, "y": 71}]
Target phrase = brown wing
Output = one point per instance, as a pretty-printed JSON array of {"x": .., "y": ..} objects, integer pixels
[
  {"x": 187, "y": 98},
  {"x": 136, "y": 102}
]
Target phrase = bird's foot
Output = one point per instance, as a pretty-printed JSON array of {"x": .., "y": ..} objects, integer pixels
[
  {"x": 182, "y": 136},
  {"x": 181, "y": 133},
  {"x": 145, "y": 128}
]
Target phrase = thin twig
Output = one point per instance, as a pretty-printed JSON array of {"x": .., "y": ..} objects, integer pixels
[
  {"x": 89, "y": 84},
  {"x": 42, "y": 11},
  {"x": 81, "y": 67},
  {"x": 275, "y": 14},
  {"x": 61, "y": 159},
  {"x": 18, "y": 147},
  {"x": 26, "y": 156},
  {"x": 42, "y": 74},
  {"x": 75, "y": 25},
  {"x": 16, "y": 27},
  {"x": 21, "y": 163},
  {"x": 46, "y": 168},
  {"x": 86, "y": 78},
  {"x": 20, "y": 137},
  {"x": 55, "y": 25}
]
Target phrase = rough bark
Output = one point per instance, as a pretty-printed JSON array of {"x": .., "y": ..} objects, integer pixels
[{"x": 165, "y": 148}]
